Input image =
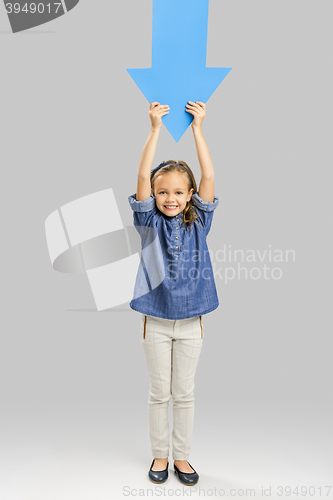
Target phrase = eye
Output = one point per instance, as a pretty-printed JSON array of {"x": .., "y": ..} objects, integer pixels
[{"x": 161, "y": 192}]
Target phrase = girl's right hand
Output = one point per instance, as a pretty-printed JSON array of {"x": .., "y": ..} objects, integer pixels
[{"x": 156, "y": 111}]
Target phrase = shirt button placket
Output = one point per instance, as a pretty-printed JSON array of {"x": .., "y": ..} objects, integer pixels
[{"x": 177, "y": 238}]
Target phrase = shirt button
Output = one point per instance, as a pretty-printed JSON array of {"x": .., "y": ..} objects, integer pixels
[
  {"x": 177, "y": 238},
  {"x": 177, "y": 247},
  {"x": 177, "y": 227}
]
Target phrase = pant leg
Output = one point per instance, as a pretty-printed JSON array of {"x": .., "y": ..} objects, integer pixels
[
  {"x": 156, "y": 340},
  {"x": 185, "y": 356}
]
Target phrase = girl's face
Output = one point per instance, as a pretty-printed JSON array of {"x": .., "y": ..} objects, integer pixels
[{"x": 172, "y": 189}]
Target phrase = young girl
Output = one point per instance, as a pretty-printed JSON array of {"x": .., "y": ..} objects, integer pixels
[{"x": 174, "y": 287}]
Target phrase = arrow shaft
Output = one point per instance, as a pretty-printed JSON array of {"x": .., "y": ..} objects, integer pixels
[{"x": 179, "y": 33}]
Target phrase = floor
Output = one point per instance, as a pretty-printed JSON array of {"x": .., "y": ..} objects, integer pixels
[{"x": 81, "y": 451}]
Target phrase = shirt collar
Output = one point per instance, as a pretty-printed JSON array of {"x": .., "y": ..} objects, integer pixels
[{"x": 174, "y": 217}]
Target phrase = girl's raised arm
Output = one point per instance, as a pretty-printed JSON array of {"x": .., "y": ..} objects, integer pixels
[
  {"x": 206, "y": 186},
  {"x": 156, "y": 111}
]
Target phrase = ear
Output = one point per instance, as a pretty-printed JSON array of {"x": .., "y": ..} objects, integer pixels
[{"x": 189, "y": 196}]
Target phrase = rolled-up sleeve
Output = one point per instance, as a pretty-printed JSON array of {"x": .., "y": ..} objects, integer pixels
[
  {"x": 205, "y": 210},
  {"x": 143, "y": 211}
]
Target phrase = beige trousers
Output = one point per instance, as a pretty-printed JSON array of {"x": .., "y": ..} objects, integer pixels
[{"x": 172, "y": 349}]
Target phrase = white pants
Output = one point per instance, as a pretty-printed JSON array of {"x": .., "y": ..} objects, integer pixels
[{"x": 172, "y": 349}]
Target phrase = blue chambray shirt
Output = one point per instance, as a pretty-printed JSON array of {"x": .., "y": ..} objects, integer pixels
[{"x": 175, "y": 279}]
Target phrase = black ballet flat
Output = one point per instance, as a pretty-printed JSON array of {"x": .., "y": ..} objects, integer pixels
[
  {"x": 188, "y": 478},
  {"x": 158, "y": 476}
]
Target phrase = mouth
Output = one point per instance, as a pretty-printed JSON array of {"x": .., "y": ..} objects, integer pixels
[{"x": 170, "y": 207}]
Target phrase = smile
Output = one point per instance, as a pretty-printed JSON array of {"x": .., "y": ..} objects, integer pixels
[{"x": 170, "y": 207}]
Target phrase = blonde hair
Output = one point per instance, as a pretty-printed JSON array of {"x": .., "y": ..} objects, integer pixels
[{"x": 189, "y": 212}]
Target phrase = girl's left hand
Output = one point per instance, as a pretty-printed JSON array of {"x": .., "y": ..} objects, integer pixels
[{"x": 198, "y": 110}]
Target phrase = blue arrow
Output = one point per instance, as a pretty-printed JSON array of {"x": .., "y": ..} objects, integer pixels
[{"x": 179, "y": 73}]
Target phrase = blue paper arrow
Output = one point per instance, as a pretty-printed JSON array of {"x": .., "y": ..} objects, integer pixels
[{"x": 179, "y": 73}]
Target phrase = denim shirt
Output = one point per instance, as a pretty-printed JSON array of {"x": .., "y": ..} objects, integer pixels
[{"x": 175, "y": 278}]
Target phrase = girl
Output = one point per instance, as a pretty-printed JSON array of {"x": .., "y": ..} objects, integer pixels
[{"x": 174, "y": 287}]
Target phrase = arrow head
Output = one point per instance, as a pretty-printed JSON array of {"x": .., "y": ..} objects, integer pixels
[{"x": 176, "y": 87}]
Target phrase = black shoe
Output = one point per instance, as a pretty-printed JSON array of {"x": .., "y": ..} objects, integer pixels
[
  {"x": 188, "y": 478},
  {"x": 158, "y": 476}
]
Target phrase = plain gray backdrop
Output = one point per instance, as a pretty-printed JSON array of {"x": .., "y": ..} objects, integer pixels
[{"x": 74, "y": 385}]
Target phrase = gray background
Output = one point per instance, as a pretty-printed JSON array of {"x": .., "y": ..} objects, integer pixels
[{"x": 74, "y": 385}]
